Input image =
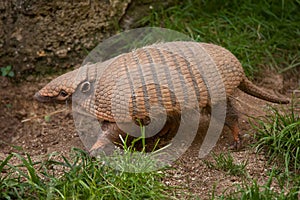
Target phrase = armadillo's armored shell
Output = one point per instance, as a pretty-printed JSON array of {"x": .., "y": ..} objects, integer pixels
[
  {"x": 211, "y": 60},
  {"x": 170, "y": 75}
]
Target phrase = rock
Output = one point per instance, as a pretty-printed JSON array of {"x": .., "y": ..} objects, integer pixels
[{"x": 48, "y": 33}]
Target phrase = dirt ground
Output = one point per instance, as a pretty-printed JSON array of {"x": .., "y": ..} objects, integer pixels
[{"x": 23, "y": 124}]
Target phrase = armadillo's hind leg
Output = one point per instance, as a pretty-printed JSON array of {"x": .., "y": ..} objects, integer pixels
[{"x": 231, "y": 121}]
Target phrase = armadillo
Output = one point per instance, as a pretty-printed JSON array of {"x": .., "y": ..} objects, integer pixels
[{"x": 174, "y": 65}]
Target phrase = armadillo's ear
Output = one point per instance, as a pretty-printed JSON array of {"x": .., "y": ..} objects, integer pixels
[
  {"x": 63, "y": 95},
  {"x": 85, "y": 87}
]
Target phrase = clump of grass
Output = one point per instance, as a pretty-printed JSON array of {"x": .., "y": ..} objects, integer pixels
[
  {"x": 82, "y": 178},
  {"x": 226, "y": 163},
  {"x": 124, "y": 175},
  {"x": 136, "y": 160},
  {"x": 254, "y": 191},
  {"x": 260, "y": 34},
  {"x": 279, "y": 136}
]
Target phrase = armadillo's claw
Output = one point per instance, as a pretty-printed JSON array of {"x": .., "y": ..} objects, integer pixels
[{"x": 237, "y": 145}]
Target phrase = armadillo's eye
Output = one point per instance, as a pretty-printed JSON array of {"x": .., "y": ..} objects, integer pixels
[
  {"x": 85, "y": 86},
  {"x": 63, "y": 93}
]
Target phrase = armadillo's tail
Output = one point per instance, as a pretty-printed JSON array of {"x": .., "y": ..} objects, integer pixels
[{"x": 248, "y": 87}]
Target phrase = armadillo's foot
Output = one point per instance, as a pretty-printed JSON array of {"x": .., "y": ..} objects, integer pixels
[
  {"x": 237, "y": 145},
  {"x": 102, "y": 147},
  {"x": 233, "y": 124},
  {"x": 105, "y": 143}
]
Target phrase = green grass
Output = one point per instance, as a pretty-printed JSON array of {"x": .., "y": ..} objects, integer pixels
[
  {"x": 254, "y": 191},
  {"x": 261, "y": 34},
  {"x": 82, "y": 178},
  {"x": 226, "y": 163},
  {"x": 134, "y": 158},
  {"x": 278, "y": 134},
  {"x": 123, "y": 175}
]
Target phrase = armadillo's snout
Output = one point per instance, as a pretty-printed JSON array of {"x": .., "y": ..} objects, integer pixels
[{"x": 41, "y": 98}]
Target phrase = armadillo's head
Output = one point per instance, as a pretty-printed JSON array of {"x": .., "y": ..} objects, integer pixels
[{"x": 59, "y": 89}]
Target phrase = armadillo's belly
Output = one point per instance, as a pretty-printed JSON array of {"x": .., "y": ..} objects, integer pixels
[{"x": 164, "y": 78}]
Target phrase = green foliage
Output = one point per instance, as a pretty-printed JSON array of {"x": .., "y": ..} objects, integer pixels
[
  {"x": 47, "y": 118},
  {"x": 106, "y": 177},
  {"x": 133, "y": 158},
  {"x": 279, "y": 135},
  {"x": 262, "y": 33},
  {"x": 7, "y": 71},
  {"x": 254, "y": 191},
  {"x": 82, "y": 178},
  {"x": 226, "y": 163},
  {"x": 8, "y": 105}
]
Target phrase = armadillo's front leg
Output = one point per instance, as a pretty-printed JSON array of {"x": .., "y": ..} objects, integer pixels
[
  {"x": 105, "y": 142},
  {"x": 110, "y": 136},
  {"x": 233, "y": 124}
]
